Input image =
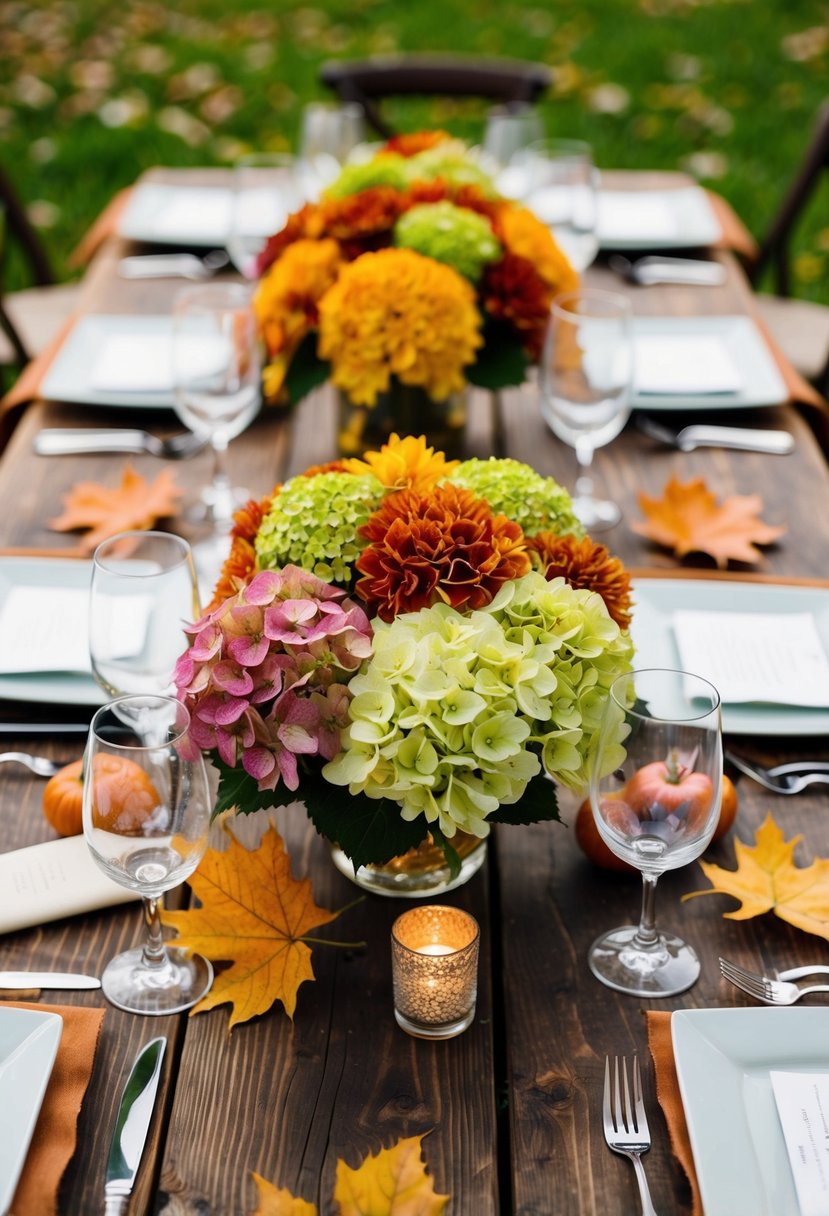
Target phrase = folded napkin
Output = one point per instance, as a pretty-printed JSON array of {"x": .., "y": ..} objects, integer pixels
[
  {"x": 55, "y": 1134},
  {"x": 667, "y": 1091}
]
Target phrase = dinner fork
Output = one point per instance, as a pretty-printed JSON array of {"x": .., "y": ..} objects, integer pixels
[
  {"x": 38, "y": 764},
  {"x": 783, "y": 778},
  {"x": 626, "y": 1129},
  {"x": 762, "y": 988}
]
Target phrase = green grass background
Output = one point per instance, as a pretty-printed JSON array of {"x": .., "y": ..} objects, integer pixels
[{"x": 92, "y": 91}]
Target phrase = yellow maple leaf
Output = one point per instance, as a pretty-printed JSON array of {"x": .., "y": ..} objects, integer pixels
[
  {"x": 273, "y": 1202},
  {"x": 394, "y": 1183},
  {"x": 254, "y": 914},
  {"x": 134, "y": 504},
  {"x": 688, "y": 519},
  {"x": 766, "y": 879}
]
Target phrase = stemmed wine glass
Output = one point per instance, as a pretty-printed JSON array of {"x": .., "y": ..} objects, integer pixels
[
  {"x": 328, "y": 133},
  {"x": 143, "y": 592},
  {"x": 586, "y": 373},
  {"x": 217, "y": 391},
  {"x": 146, "y": 815},
  {"x": 266, "y": 188},
  {"x": 655, "y": 791},
  {"x": 562, "y": 189}
]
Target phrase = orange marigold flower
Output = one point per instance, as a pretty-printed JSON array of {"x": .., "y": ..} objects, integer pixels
[
  {"x": 238, "y": 568},
  {"x": 585, "y": 564},
  {"x": 415, "y": 141},
  {"x": 443, "y": 545},
  {"x": 404, "y": 464},
  {"x": 524, "y": 234},
  {"x": 330, "y": 466},
  {"x": 287, "y": 299},
  {"x": 247, "y": 519},
  {"x": 396, "y": 313}
]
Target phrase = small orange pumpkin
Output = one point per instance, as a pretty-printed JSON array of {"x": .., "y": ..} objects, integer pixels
[{"x": 124, "y": 796}]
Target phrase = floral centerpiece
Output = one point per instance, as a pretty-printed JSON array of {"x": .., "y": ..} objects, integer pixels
[
  {"x": 411, "y": 645},
  {"x": 410, "y": 278}
]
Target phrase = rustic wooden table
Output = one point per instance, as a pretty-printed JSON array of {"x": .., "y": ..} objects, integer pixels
[{"x": 511, "y": 1107}]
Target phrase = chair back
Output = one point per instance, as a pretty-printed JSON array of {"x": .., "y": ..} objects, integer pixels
[
  {"x": 367, "y": 82},
  {"x": 775, "y": 247}
]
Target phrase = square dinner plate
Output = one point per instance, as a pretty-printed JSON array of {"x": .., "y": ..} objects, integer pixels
[
  {"x": 655, "y": 601},
  {"x": 762, "y": 383},
  {"x": 723, "y": 1060},
  {"x": 70, "y": 378},
  {"x": 166, "y": 214},
  {"x": 47, "y": 687},
  {"x": 656, "y": 219},
  {"x": 28, "y": 1045}
]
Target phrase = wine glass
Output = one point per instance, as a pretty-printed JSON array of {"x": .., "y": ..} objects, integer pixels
[
  {"x": 586, "y": 373},
  {"x": 562, "y": 189},
  {"x": 328, "y": 133},
  {"x": 143, "y": 591},
  {"x": 508, "y": 131},
  {"x": 655, "y": 791},
  {"x": 266, "y": 188},
  {"x": 146, "y": 815},
  {"x": 217, "y": 391}
]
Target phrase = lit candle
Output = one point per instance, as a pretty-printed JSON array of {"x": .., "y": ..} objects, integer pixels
[{"x": 435, "y": 970}]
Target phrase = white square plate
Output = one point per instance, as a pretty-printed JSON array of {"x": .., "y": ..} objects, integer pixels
[
  {"x": 656, "y": 219},
  {"x": 743, "y": 346},
  {"x": 72, "y": 376},
  {"x": 189, "y": 216},
  {"x": 28, "y": 1045},
  {"x": 723, "y": 1059},
  {"x": 55, "y": 687},
  {"x": 657, "y": 599}
]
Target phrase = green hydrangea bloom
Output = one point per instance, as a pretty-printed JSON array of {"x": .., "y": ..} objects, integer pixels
[
  {"x": 538, "y": 504},
  {"x": 460, "y": 238},
  {"x": 387, "y": 170},
  {"x": 451, "y": 161},
  {"x": 451, "y": 712},
  {"x": 313, "y": 524}
]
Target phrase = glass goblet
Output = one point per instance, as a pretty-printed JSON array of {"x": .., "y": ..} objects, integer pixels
[
  {"x": 329, "y": 132},
  {"x": 146, "y": 815},
  {"x": 562, "y": 189},
  {"x": 143, "y": 592},
  {"x": 655, "y": 792},
  {"x": 508, "y": 131},
  {"x": 585, "y": 374},
  {"x": 266, "y": 189}
]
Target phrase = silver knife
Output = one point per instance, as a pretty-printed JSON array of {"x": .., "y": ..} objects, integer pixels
[
  {"x": 69, "y": 441},
  {"x": 797, "y": 973},
  {"x": 47, "y": 979},
  {"x": 134, "y": 1116}
]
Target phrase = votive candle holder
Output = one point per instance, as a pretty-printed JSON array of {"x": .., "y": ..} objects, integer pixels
[{"x": 434, "y": 951}]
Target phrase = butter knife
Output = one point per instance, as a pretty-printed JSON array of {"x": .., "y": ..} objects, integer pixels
[
  {"x": 47, "y": 979},
  {"x": 134, "y": 1116}
]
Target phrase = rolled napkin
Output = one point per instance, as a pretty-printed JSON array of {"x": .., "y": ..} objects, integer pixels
[
  {"x": 667, "y": 1091},
  {"x": 55, "y": 1135}
]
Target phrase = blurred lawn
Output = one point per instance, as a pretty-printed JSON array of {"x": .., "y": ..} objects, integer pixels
[{"x": 92, "y": 91}]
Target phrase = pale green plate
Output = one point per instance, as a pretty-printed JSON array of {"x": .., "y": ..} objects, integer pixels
[{"x": 28, "y": 1046}]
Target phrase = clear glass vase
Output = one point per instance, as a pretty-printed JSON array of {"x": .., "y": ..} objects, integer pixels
[
  {"x": 420, "y": 873},
  {"x": 407, "y": 410}
]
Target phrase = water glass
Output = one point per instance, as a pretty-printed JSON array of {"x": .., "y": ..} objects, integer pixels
[
  {"x": 586, "y": 373},
  {"x": 266, "y": 189},
  {"x": 146, "y": 816},
  {"x": 143, "y": 593},
  {"x": 328, "y": 133},
  {"x": 561, "y": 188},
  {"x": 509, "y": 131},
  {"x": 655, "y": 792}
]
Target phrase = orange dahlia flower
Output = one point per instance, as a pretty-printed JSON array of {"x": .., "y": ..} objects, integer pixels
[
  {"x": 404, "y": 464},
  {"x": 443, "y": 545},
  {"x": 585, "y": 564},
  {"x": 240, "y": 564},
  {"x": 524, "y": 234},
  {"x": 415, "y": 141},
  {"x": 287, "y": 299}
]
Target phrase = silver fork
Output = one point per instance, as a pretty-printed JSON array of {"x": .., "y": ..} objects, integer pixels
[
  {"x": 626, "y": 1128},
  {"x": 38, "y": 764},
  {"x": 783, "y": 778},
  {"x": 762, "y": 988}
]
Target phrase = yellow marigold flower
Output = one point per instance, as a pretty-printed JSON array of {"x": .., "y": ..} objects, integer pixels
[
  {"x": 404, "y": 464},
  {"x": 287, "y": 299},
  {"x": 525, "y": 235},
  {"x": 397, "y": 313}
]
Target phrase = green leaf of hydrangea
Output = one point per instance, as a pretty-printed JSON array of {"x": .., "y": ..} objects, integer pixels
[
  {"x": 366, "y": 829},
  {"x": 537, "y": 804},
  {"x": 239, "y": 791},
  {"x": 306, "y": 371}
]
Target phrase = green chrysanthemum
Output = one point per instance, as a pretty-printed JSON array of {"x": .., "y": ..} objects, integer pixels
[
  {"x": 313, "y": 524},
  {"x": 388, "y": 170},
  {"x": 451, "y": 162},
  {"x": 460, "y": 238},
  {"x": 538, "y": 504}
]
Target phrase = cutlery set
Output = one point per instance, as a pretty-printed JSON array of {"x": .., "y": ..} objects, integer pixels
[{"x": 789, "y": 778}]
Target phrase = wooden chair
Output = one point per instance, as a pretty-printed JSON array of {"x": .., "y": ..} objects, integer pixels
[
  {"x": 30, "y": 317},
  {"x": 800, "y": 327},
  {"x": 511, "y": 82}
]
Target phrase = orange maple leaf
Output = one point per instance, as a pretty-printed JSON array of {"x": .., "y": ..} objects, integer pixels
[
  {"x": 766, "y": 879},
  {"x": 394, "y": 1183},
  {"x": 688, "y": 519},
  {"x": 254, "y": 914},
  {"x": 135, "y": 504}
]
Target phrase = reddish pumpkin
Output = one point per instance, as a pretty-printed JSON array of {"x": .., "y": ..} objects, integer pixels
[{"x": 671, "y": 789}]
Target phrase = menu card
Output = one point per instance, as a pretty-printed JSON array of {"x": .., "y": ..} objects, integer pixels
[
  {"x": 777, "y": 658},
  {"x": 47, "y": 881},
  {"x": 803, "y": 1106}
]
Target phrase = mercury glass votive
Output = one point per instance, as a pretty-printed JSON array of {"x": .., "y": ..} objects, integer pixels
[{"x": 434, "y": 954}]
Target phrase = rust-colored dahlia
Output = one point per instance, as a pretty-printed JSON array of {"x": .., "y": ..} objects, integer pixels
[
  {"x": 514, "y": 292},
  {"x": 585, "y": 564},
  {"x": 330, "y": 466},
  {"x": 445, "y": 545},
  {"x": 404, "y": 464},
  {"x": 409, "y": 144}
]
